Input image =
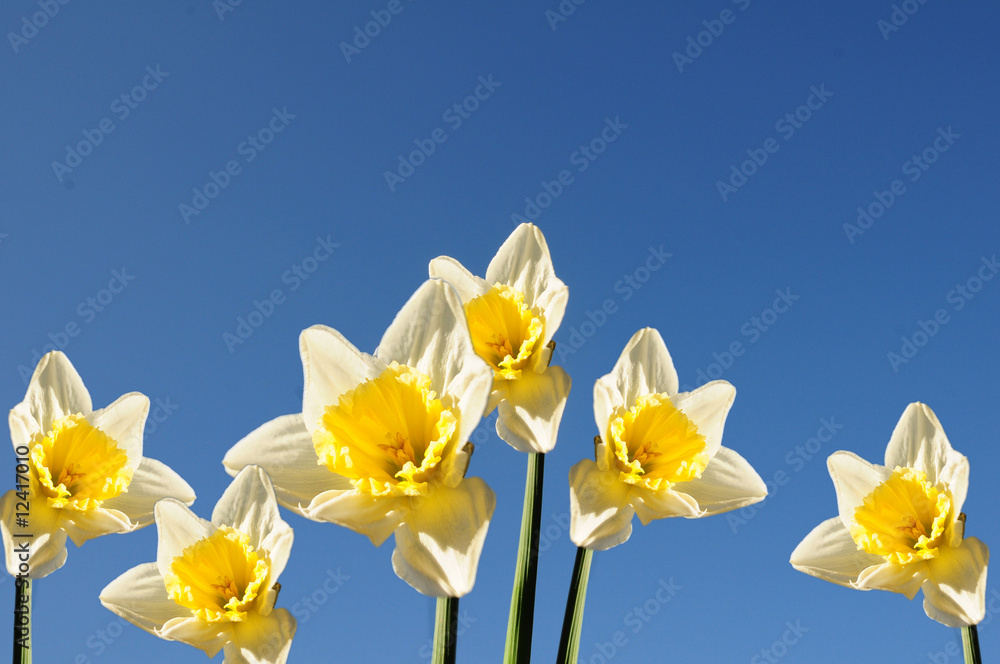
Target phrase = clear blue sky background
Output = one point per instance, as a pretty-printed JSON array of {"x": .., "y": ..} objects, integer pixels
[{"x": 887, "y": 96}]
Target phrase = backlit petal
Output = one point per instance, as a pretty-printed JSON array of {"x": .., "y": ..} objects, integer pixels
[
  {"x": 331, "y": 366},
  {"x": 727, "y": 483},
  {"x": 600, "y": 512},
  {"x": 262, "y": 639},
  {"x": 151, "y": 482},
  {"x": 140, "y": 597},
  {"x": 438, "y": 546},
  {"x": 124, "y": 421},
  {"x": 524, "y": 263},
  {"x": 464, "y": 282},
  {"x": 47, "y": 547},
  {"x": 374, "y": 517},
  {"x": 644, "y": 367},
  {"x": 829, "y": 552},
  {"x": 177, "y": 528},
  {"x": 56, "y": 390},
  {"x": 284, "y": 448},
  {"x": 248, "y": 504},
  {"x": 708, "y": 406},
  {"x": 853, "y": 478},
  {"x": 918, "y": 441},
  {"x": 955, "y": 589},
  {"x": 529, "y": 417}
]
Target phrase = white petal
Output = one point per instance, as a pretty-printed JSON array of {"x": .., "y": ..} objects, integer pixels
[
  {"x": 853, "y": 478},
  {"x": 650, "y": 505},
  {"x": 439, "y": 544},
  {"x": 331, "y": 366},
  {"x": 284, "y": 448},
  {"x": 262, "y": 639},
  {"x": 47, "y": 547},
  {"x": 23, "y": 427},
  {"x": 903, "y": 579},
  {"x": 278, "y": 544},
  {"x": 152, "y": 481},
  {"x": 727, "y": 483},
  {"x": 529, "y": 417},
  {"x": 918, "y": 441},
  {"x": 464, "y": 282},
  {"x": 56, "y": 390},
  {"x": 644, "y": 367},
  {"x": 83, "y": 526},
  {"x": 955, "y": 589},
  {"x": 177, "y": 529},
  {"x": 248, "y": 504},
  {"x": 830, "y": 553},
  {"x": 140, "y": 597},
  {"x": 430, "y": 334},
  {"x": 600, "y": 512},
  {"x": 124, "y": 421},
  {"x": 607, "y": 398},
  {"x": 708, "y": 406},
  {"x": 524, "y": 263},
  {"x": 375, "y": 518},
  {"x": 471, "y": 386},
  {"x": 210, "y": 637},
  {"x": 552, "y": 303}
]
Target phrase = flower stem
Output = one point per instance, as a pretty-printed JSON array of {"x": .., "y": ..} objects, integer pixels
[
  {"x": 22, "y": 621},
  {"x": 970, "y": 644},
  {"x": 445, "y": 631},
  {"x": 569, "y": 642},
  {"x": 522, "y": 600}
]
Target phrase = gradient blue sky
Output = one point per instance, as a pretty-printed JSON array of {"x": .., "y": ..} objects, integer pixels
[{"x": 886, "y": 97}]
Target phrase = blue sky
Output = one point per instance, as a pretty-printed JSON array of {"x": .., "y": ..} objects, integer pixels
[{"x": 728, "y": 144}]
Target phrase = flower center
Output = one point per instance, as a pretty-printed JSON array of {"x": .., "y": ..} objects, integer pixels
[
  {"x": 655, "y": 445},
  {"x": 904, "y": 519},
  {"x": 505, "y": 332},
  {"x": 388, "y": 435},
  {"x": 218, "y": 577},
  {"x": 78, "y": 466}
]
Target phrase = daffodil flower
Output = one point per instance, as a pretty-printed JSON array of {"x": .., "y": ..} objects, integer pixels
[
  {"x": 512, "y": 316},
  {"x": 213, "y": 584},
  {"x": 381, "y": 445},
  {"x": 85, "y": 472},
  {"x": 659, "y": 453},
  {"x": 900, "y": 526}
]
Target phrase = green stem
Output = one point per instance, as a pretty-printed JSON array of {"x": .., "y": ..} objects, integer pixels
[
  {"x": 445, "y": 631},
  {"x": 970, "y": 644},
  {"x": 522, "y": 600},
  {"x": 569, "y": 642},
  {"x": 22, "y": 621}
]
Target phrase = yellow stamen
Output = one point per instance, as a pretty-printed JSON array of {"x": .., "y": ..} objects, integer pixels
[
  {"x": 87, "y": 465},
  {"x": 904, "y": 518},
  {"x": 219, "y": 577},
  {"x": 505, "y": 332},
  {"x": 389, "y": 435},
  {"x": 653, "y": 444}
]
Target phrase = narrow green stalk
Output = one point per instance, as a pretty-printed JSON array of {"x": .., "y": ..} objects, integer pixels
[
  {"x": 445, "y": 631},
  {"x": 522, "y": 600},
  {"x": 970, "y": 644},
  {"x": 569, "y": 642},
  {"x": 22, "y": 621}
]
